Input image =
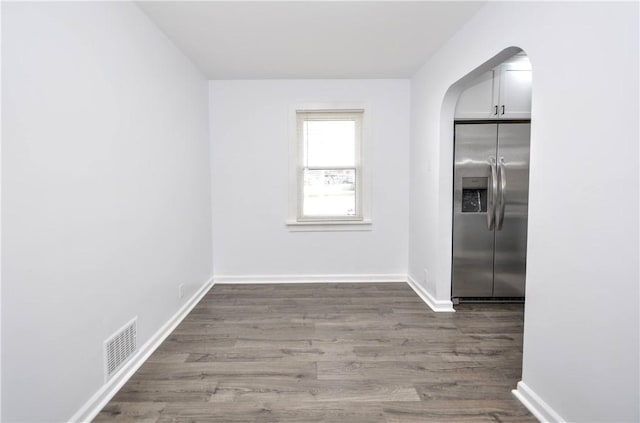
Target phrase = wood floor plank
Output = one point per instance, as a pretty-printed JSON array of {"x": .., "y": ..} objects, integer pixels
[
  {"x": 451, "y": 390},
  {"x": 167, "y": 357},
  {"x": 190, "y": 343},
  {"x": 485, "y": 410},
  {"x": 435, "y": 369},
  {"x": 272, "y": 389},
  {"x": 247, "y": 342},
  {"x": 215, "y": 370},
  {"x": 280, "y": 412},
  {"x": 279, "y": 331},
  {"x": 354, "y": 353},
  {"x": 271, "y": 352},
  {"x": 447, "y": 352},
  {"x": 144, "y": 390},
  {"x": 143, "y": 412}
]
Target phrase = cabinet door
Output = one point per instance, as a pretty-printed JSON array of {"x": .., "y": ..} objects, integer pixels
[
  {"x": 515, "y": 93},
  {"x": 477, "y": 100}
]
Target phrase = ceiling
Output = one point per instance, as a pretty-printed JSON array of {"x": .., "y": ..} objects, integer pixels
[{"x": 319, "y": 39}]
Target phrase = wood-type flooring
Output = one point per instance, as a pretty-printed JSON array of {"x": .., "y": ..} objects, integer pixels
[{"x": 347, "y": 353}]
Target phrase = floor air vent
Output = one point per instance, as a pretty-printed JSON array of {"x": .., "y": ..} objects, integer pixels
[{"x": 119, "y": 347}]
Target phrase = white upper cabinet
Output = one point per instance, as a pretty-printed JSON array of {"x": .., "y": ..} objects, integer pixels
[
  {"x": 478, "y": 100},
  {"x": 502, "y": 93},
  {"x": 515, "y": 92}
]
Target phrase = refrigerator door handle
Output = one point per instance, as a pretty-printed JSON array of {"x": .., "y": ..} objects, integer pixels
[
  {"x": 502, "y": 177},
  {"x": 493, "y": 196}
]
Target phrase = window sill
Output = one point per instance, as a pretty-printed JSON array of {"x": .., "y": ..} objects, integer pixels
[{"x": 329, "y": 225}]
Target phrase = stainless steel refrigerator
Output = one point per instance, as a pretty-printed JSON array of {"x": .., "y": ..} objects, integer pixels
[{"x": 490, "y": 208}]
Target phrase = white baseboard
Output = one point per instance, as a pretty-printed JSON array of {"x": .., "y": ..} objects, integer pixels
[
  {"x": 540, "y": 409},
  {"x": 97, "y": 402},
  {"x": 435, "y": 305},
  {"x": 354, "y": 278}
]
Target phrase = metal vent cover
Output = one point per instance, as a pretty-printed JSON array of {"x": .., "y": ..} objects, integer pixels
[{"x": 119, "y": 347}]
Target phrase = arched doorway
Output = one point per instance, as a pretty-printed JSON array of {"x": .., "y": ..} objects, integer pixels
[
  {"x": 486, "y": 192},
  {"x": 496, "y": 115}
]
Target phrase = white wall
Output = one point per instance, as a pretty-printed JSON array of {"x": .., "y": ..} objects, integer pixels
[
  {"x": 250, "y": 129},
  {"x": 581, "y": 321},
  {"x": 105, "y": 194}
]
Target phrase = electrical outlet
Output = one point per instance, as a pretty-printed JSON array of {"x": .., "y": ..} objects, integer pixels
[{"x": 180, "y": 291}]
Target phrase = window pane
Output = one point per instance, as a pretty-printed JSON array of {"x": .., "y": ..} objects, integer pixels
[
  {"x": 329, "y": 192},
  {"x": 329, "y": 142}
]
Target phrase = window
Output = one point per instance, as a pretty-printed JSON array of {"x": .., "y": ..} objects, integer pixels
[{"x": 329, "y": 170}]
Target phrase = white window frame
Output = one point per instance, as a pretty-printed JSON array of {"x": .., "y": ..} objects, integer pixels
[{"x": 362, "y": 220}]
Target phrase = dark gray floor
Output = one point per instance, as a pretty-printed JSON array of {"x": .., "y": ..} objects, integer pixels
[{"x": 345, "y": 353}]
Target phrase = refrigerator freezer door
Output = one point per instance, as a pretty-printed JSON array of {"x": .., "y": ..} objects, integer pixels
[
  {"x": 475, "y": 146},
  {"x": 511, "y": 238}
]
